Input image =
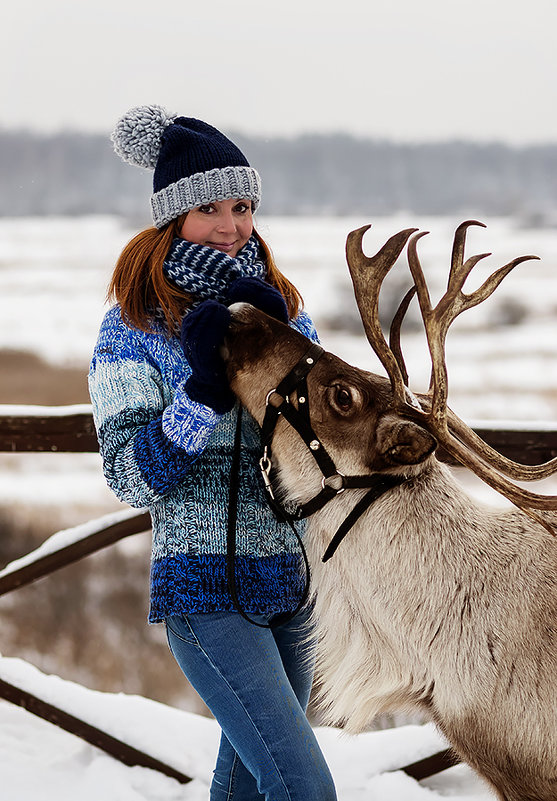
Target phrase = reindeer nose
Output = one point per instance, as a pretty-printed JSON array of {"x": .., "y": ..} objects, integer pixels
[
  {"x": 244, "y": 325},
  {"x": 241, "y": 314}
]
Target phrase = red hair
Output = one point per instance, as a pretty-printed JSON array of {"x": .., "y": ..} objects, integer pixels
[{"x": 140, "y": 286}]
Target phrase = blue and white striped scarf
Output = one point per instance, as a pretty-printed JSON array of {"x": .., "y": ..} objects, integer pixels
[{"x": 207, "y": 273}]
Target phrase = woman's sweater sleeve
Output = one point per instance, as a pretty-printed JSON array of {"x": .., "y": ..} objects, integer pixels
[
  {"x": 147, "y": 442},
  {"x": 304, "y": 324}
]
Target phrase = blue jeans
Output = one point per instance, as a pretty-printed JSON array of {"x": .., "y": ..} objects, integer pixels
[{"x": 257, "y": 683}]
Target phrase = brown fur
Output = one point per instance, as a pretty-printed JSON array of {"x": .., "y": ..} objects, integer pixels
[{"x": 434, "y": 601}]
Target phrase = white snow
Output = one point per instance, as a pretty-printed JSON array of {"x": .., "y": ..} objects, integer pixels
[
  {"x": 31, "y": 410},
  {"x": 40, "y": 762}
]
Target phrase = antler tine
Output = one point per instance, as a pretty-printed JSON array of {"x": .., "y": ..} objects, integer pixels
[
  {"x": 459, "y": 243},
  {"x": 490, "y": 284},
  {"x": 457, "y": 300},
  {"x": 435, "y": 329},
  {"x": 368, "y": 274},
  {"x": 522, "y": 498},
  {"x": 394, "y": 332},
  {"x": 520, "y": 472}
]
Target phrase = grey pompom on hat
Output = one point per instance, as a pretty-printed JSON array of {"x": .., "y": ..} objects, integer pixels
[
  {"x": 138, "y": 134},
  {"x": 194, "y": 163}
]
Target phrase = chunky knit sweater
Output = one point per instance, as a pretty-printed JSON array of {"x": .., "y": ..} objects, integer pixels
[{"x": 163, "y": 451}]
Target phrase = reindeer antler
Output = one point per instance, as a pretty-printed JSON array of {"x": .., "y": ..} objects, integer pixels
[
  {"x": 368, "y": 274},
  {"x": 452, "y": 433}
]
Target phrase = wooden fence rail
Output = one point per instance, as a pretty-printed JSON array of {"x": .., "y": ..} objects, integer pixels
[
  {"x": 70, "y": 429},
  {"x": 67, "y": 429},
  {"x": 98, "y": 536},
  {"x": 91, "y": 734}
]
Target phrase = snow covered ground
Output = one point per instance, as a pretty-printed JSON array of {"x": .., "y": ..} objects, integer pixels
[{"x": 40, "y": 762}]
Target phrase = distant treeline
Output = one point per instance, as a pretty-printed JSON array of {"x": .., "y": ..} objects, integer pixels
[{"x": 74, "y": 173}]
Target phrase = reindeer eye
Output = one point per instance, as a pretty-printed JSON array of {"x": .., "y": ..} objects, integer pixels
[{"x": 343, "y": 397}]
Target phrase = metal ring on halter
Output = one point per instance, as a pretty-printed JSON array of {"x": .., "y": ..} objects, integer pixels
[
  {"x": 326, "y": 482},
  {"x": 271, "y": 392}
]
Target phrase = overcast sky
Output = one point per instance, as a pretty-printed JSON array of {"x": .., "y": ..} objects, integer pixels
[{"x": 406, "y": 69}]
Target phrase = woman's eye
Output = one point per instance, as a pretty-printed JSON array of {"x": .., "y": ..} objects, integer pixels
[
  {"x": 241, "y": 208},
  {"x": 205, "y": 209},
  {"x": 343, "y": 398}
]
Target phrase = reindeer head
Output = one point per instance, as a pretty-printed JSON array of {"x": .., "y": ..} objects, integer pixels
[
  {"x": 351, "y": 410},
  {"x": 369, "y": 423}
]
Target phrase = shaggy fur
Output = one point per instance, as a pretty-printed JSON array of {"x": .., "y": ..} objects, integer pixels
[{"x": 434, "y": 601}]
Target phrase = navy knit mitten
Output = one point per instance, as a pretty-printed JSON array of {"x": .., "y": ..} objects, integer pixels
[
  {"x": 261, "y": 295},
  {"x": 202, "y": 333}
]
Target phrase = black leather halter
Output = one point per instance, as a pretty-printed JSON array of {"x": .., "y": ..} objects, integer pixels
[{"x": 333, "y": 482}]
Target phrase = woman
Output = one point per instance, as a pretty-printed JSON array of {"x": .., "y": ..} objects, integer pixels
[{"x": 165, "y": 423}]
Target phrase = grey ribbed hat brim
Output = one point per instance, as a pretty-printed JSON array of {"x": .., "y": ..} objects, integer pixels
[{"x": 205, "y": 187}]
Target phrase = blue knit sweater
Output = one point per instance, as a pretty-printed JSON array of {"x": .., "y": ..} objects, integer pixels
[{"x": 163, "y": 451}]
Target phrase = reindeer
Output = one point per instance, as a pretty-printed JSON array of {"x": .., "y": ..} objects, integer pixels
[{"x": 433, "y": 602}]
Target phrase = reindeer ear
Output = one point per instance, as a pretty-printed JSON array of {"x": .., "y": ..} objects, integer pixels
[{"x": 400, "y": 442}]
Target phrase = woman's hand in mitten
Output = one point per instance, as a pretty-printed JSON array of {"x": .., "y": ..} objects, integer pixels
[
  {"x": 261, "y": 295},
  {"x": 202, "y": 333}
]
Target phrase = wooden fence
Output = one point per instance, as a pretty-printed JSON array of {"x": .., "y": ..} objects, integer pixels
[{"x": 71, "y": 430}]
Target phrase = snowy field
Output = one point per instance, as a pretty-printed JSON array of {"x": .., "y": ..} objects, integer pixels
[
  {"x": 39, "y": 762},
  {"x": 501, "y": 355},
  {"x": 502, "y": 366}
]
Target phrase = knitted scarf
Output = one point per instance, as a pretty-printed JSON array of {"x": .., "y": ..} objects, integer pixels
[{"x": 207, "y": 273}]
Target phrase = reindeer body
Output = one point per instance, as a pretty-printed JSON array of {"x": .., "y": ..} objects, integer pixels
[
  {"x": 433, "y": 601},
  {"x": 436, "y": 603}
]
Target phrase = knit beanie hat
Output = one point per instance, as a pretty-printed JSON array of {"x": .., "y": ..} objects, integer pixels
[{"x": 194, "y": 163}]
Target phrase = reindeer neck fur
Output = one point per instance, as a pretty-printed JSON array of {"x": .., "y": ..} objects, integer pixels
[{"x": 417, "y": 597}]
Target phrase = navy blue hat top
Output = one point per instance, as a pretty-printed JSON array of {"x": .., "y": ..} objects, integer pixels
[
  {"x": 190, "y": 146},
  {"x": 194, "y": 163}
]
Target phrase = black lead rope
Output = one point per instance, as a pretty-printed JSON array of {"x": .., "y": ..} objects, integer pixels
[{"x": 280, "y": 619}]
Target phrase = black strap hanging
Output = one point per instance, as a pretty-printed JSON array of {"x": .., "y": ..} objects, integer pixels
[
  {"x": 284, "y": 617},
  {"x": 384, "y": 483}
]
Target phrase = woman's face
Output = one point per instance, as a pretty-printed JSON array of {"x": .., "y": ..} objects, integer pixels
[{"x": 224, "y": 225}]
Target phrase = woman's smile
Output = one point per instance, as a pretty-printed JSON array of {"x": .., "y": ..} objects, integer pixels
[{"x": 226, "y": 247}]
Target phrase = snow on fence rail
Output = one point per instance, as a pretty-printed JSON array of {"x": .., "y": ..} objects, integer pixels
[{"x": 70, "y": 429}]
